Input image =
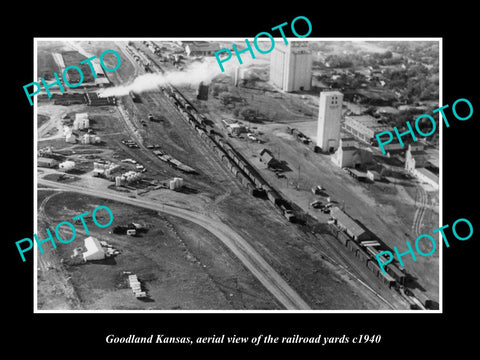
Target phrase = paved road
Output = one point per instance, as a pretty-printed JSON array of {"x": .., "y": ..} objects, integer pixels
[{"x": 250, "y": 258}]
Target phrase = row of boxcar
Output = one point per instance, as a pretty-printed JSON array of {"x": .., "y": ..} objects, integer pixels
[
  {"x": 234, "y": 161},
  {"x": 393, "y": 275}
]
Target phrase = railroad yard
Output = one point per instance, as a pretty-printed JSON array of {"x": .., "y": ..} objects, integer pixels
[{"x": 215, "y": 227}]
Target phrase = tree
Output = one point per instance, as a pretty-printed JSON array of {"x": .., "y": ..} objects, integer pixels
[
  {"x": 226, "y": 98},
  {"x": 249, "y": 114}
]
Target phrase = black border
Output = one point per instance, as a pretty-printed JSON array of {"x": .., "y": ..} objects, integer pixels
[{"x": 400, "y": 332}]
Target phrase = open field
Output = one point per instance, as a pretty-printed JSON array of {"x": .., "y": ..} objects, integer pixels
[{"x": 181, "y": 265}]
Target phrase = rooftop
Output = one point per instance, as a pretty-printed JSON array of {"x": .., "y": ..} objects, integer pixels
[
  {"x": 366, "y": 120},
  {"x": 347, "y": 221}
]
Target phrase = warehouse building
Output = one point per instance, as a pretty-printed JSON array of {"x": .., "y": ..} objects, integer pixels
[
  {"x": 363, "y": 127},
  {"x": 347, "y": 224},
  {"x": 94, "y": 249}
]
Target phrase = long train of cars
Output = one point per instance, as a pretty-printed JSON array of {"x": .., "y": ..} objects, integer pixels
[
  {"x": 234, "y": 161},
  {"x": 257, "y": 186}
]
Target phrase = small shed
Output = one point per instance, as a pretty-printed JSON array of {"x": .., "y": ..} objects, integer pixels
[
  {"x": 373, "y": 175},
  {"x": 267, "y": 157}
]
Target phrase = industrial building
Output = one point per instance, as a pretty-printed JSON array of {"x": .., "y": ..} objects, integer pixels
[
  {"x": 94, "y": 249},
  {"x": 363, "y": 127},
  {"x": 291, "y": 66},
  {"x": 81, "y": 121},
  {"x": 329, "y": 117},
  {"x": 349, "y": 154}
]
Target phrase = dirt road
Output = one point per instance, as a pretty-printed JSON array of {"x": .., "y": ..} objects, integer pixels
[{"x": 251, "y": 259}]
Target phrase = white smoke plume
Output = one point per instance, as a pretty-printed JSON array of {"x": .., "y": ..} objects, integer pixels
[{"x": 191, "y": 75}]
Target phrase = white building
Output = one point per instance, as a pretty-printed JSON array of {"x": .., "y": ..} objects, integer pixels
[
  {"x": 70, "y": 138},
  {"x": 176, "y": 183},
  {"x": 94, "y": 249},
  {"x": 350, "y": 155},
  {"x": 415, "y": 157},
  {"x": 127, "y": 178},
  {"x": 81, "y": 121},
  {"x": 291, "y": 66},
  {"x": 91, "y": 139},
  {"x": 66, "y": 165},
  {"x": 329, "y": 117}
]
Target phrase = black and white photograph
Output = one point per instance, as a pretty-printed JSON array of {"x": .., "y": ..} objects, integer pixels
[
  {"x": 195, "y": 179},
  {"x": 239, "y": 187}
]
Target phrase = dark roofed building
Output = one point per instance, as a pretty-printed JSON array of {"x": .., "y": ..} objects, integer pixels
[
  {"x": 346, "y": 223},
  {"x": 267, "y": 157}
]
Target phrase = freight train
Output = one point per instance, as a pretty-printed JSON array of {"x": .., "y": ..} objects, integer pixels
[
  {"x": 257, "y": 186},
  {"x": 393, "y": 276},
  {"x": 235, "y": 162}
]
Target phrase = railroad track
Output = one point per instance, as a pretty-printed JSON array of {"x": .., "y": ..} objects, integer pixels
[
  {"x": 250, "y": 258},
  {"x": 345, "y": 263},
  {"x": 420, "y": 212}
]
